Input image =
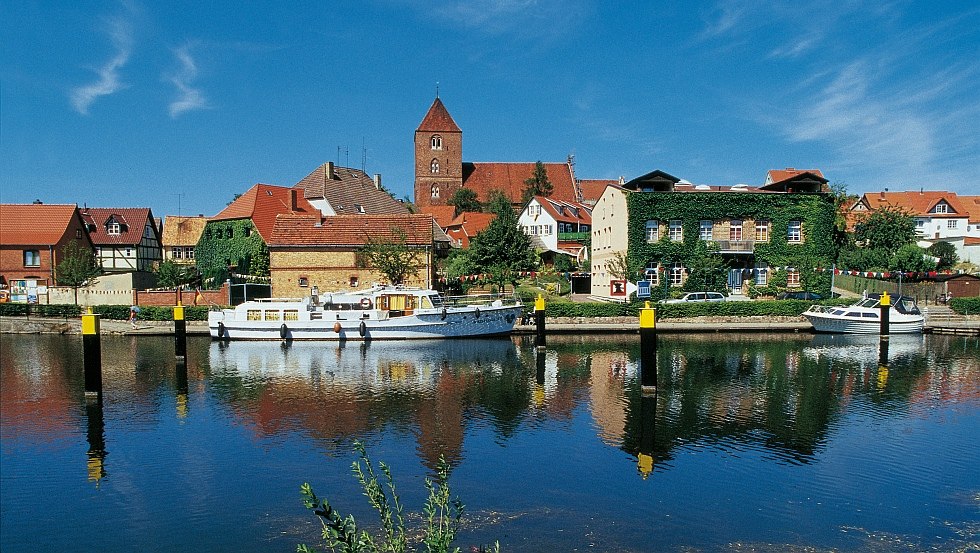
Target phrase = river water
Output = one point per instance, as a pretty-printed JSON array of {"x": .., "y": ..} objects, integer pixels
[{"x": 754, "y": 443}]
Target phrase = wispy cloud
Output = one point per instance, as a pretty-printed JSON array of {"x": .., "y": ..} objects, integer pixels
[
  {"x": 109, "y": 80},
  {"x": 537, "y": 19},
  {"x": 189, "y": 98}
]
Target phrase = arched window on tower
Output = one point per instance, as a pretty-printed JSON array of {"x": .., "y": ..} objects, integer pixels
[
  {"x": 435, "y": 190},
  {"x": 436, "y": 142},
  {"x": 434, "y": 166}
]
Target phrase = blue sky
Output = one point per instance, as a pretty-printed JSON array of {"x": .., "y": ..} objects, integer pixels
[{"x": 179, "y": 106}]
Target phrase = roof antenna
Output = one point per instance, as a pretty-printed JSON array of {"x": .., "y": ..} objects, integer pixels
[{"x": 437, "y": 90}]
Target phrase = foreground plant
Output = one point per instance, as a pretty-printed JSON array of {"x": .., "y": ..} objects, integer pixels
[{"x": 442, "y": 513}]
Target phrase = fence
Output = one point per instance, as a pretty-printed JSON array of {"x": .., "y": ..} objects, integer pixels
[{"x": 925, "y": 293}]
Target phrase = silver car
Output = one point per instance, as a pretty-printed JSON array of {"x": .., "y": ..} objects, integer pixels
[{"x": 697, "y": 296}]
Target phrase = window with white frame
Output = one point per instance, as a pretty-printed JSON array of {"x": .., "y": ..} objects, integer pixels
[
  {"x": 435, "y": 190},
  {"x": 676, "y": 273},
  {"x": 704, "y": 230},
  {"x": 761, "y": 274},
  {"x": 32, "y": 258},
  {"x": 794, "y": 231},
  {"x": 651, "y": 273},
  {"x": 177, "y": 252},
  {"x": 792, "y": 277},
  {"x": 676, "y": 230},
  {"x": 113, "y": 228},
  {"x": 653, "y": 230},
  {"x": 762, "y": 231},
  {"x": 951, "y": 223},
  {"x": 941, "y": 207},
  {"x": 434, "y": 167},
  {"x": 436, "y": 142},
  {"x": 189, "y": 252},
  {"x": 735, "y": 230}
]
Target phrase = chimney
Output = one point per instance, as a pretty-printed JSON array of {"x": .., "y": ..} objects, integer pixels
[
  {"x": 377, "y": 181},
  {"x": 328, "y": 172},
  {"x": 882, "y": 194},
  {"x": 293, "y": 193}
]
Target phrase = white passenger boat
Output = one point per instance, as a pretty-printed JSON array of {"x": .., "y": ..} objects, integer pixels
[
  {"x": 864, "y": 317},
  {"x": 379, "y": 313}
]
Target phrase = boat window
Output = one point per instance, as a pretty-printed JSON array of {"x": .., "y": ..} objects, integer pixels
[
  {"x": 426, "y": 302},
  {"x": 290, "y": 315},
  {"x": 253, "y": 315},
  {"x": 852, "y": 314},
  {"x": 436, "y": 300},
  {"x": 838, "y": 312},
  {"x": 272, "y": 315},
  {"x": 870, "y": 315},
  {"x": 870, "y": 302}
]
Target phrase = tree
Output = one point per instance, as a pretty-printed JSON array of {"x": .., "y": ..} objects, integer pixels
[
  {"x": 78, "y": 267},
  {"x": 171, "y": 274},
  {"x": 946, "y": 253},
  {"x": 393, "y": 257},
  {"x": 465, "y": 200},
  {"x": 538, "y": 184},
  {"x": 911, "y": 258},
  {"x": 502, "y": 249},
  {"x": 888, "y": 228},
  {"x": 708, "y": 270}
]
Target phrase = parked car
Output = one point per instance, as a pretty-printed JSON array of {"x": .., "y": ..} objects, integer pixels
[
  {"x": 697, "y": 297},
  {"x": 799, "y": 296}
]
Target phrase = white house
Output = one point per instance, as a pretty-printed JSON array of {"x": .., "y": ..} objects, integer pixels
[{"x": 557, "y": 226}]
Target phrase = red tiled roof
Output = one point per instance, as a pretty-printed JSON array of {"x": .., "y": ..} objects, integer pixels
[
  {"x": 443, "y": 214},
  {"x": 920, "y": 203},
  {"x": 468, "y": 225},
  {"x": 592, "y": 188},
  {"x": 262, "y": 203},
  {"x": 348, "y": 191},
  {"x": 971, "y": 241},
  {"x": 132, "y": 220},
  {"x": 437, "y": 119},
  {"x": 566, "y": 212},
  {"x": 349, "y": 230},
  {"x": 509, "y": 178},
  {"x": 34, "y": 224},
  {"x": 779, "y": 175},
  {"x": 972, "y": 204}
]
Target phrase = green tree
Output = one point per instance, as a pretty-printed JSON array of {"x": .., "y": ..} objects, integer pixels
[
  {"x": 78, "y": 268},
  {"x": 502, "y": 249},
  {"x": 393, "y": 257},
  {"x": 465, "y": 200},
  {"x": 538, "y": 184},
  {"x": 708, "y": 270},
  {"x": 911, "y": 258},
  {"x": 888, "y": 228},
  {"x": 946, "y": 253},
  {"x": 171, "y": 274}
]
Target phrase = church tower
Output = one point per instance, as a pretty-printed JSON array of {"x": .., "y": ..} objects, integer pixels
[{"x": 438, "y": 157}]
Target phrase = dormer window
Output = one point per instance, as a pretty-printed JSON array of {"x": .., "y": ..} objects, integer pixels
[
  {"x": 434, "y": 167},
  {"x": 941, "y": 207},
  {"x": 113, "y": 227},
  {"x": 436, "y": 142},
  {"x": 359, "y": 208}
]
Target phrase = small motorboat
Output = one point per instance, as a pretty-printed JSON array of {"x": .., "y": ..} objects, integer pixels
[
  {"x": 378, "y": 313},
  {"x": 864, "y": 317}
]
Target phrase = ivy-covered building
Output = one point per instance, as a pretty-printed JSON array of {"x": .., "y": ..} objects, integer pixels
[{"x": 742, "y": 239}]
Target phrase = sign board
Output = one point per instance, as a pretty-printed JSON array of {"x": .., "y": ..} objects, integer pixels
[
  {"x": 617, "y": 288},
  {"x": 643, "y": 288}
]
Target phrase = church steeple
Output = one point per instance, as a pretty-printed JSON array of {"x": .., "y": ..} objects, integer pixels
[{"x": 438, "y": 157}]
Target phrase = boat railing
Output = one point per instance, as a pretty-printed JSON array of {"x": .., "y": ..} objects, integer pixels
[{"x": 480, "y": 299}]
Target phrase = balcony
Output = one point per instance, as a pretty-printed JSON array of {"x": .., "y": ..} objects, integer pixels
[
  {"x": 735, "y": 246},
  {"x": 574, "y": 236}
]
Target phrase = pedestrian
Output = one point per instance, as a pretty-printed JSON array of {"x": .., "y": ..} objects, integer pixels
[{"x": 133, "y": 311}]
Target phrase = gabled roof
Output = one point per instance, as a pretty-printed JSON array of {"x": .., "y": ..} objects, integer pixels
[
  {"x": 591, "y": 189},
  {"x": 348, "y": 191},
  {"x": 350, "y": 230},
  {"x": 919, "y": 204},
  {"x": 443, "y": 214},
  {"x": 262, "y": 203},
  {"x": 182, "y": 231},
  {"x": 972, "y": 204},
  {"x": 437, "y": 119},
  {"x": 779, "y": 175},
  {"x": 467, "y": 225},
  {"x": 132, "y": 221},
  {"x": 656, "y": 180},
  {"x": 565, "y": 212},
  {"x": 34, "y": 224},
  {"x": 795, "y": 180},
  {"x": 485, "y": 177}
]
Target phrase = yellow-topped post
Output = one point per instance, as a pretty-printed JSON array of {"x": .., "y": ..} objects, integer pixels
[
  {"x": 885, "y": 304},
  {"x": 539, "y": 339},
  {"x": 648, "y": 348},
  {"x": 92, "y": 353},
  {"x": 180, "y": 332}
]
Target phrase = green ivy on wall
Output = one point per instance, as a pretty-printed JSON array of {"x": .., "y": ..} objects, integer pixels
[
  {"x": 816, "y": 211},
  {"x": 235, "y": 243}
]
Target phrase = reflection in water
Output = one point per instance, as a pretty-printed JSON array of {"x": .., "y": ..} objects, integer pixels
[{"x": 539, "y": 437}]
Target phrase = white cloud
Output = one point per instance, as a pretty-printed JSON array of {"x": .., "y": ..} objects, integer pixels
[
  {"x": 109, "y": 81},
  {"x": 190, "y": 98}
]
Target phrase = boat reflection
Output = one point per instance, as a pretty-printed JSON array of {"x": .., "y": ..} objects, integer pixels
[{"x": 864, "y": 351}]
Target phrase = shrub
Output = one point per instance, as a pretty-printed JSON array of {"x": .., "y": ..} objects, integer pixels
[
  {"x": 108, "y": 312},
  {"x": 965, "y": 306}
]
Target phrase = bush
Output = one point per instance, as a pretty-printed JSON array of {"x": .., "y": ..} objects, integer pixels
[
  {"x": 108, "y": 312},
  {"x": 965, "y": 306},
  {"x": 773, "y": 308}
]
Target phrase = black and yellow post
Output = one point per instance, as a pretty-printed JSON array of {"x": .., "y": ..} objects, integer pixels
[
  {"x": 92, "y": 354},
  {"x": 180, "y": 332},
  {"x": 885, "y": 304},
  {"x": 648, "y": 434},
  {"x": 539, "y": 339},
  {"x": 648, "y": 349},
  {"x": 96, "y": 441}
]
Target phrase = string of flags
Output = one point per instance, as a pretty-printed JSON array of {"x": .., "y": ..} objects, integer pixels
[{"x": 486, "y": 277}]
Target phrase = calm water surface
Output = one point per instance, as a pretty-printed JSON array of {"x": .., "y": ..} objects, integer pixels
[{"x": 756, "y": 443}]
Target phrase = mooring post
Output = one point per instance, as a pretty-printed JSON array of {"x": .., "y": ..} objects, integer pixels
[
  {"x": 180, "y": 332},
  {"x": 539, "y": 339},
  {"x": 648, "y": 349},
  {"x": 885, "y": 304},
  {"x": 92, "y": 354}
]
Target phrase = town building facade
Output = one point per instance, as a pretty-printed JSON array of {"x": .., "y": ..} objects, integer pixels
[
  {"x": 557, "y": 227},
  {"x": 126, "y": 239}
]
